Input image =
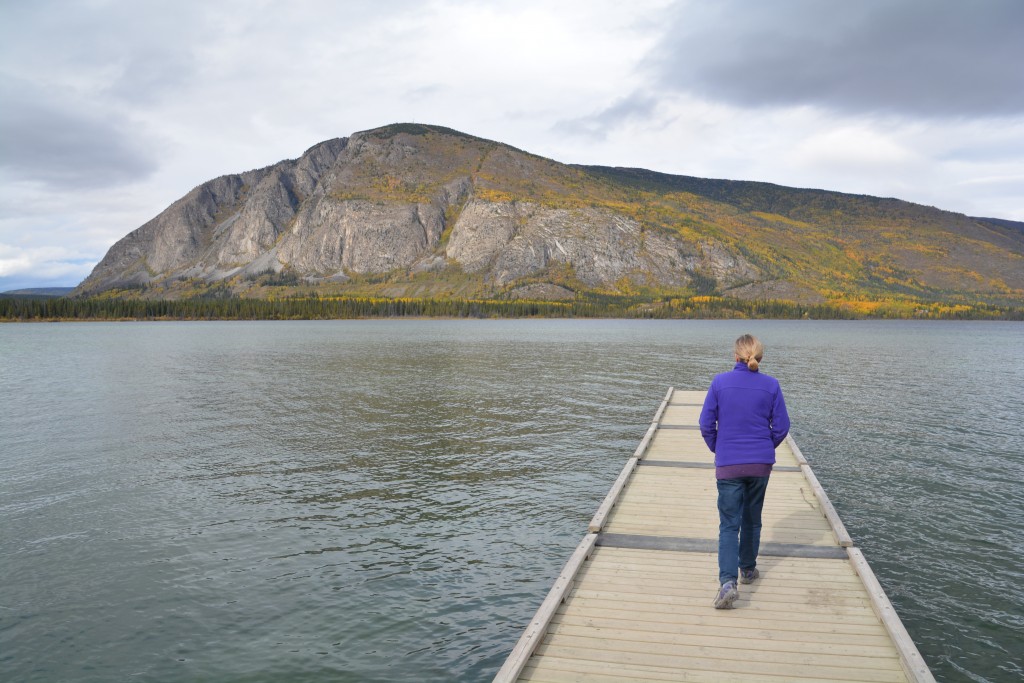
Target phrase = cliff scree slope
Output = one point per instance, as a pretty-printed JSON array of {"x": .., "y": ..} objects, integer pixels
[{"x": 416, "y": 210}]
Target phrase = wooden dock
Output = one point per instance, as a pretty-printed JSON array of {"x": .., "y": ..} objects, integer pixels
[{"x": 634, "y": 602}]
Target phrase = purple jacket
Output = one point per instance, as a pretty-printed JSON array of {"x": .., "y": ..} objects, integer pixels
[{"x": 744, "y": 417}]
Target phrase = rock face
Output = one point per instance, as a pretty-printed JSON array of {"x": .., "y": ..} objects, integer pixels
[
  {"x": 228, "y": 225},
  {"x": 514, "y": 240},
  {"x": 426, "y": 203},
  {"x": 381, "y": 201}
]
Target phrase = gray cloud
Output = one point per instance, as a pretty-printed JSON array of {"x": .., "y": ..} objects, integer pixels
[
  {"x": 635, "y": 107},
  {"x": 135, "y": 52},
  {"x": 152, "y": 74},
  {"x": 926, "y": 58},
  {"x": 52, "y": 138}
]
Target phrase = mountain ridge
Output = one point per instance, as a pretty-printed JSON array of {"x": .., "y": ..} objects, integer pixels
[{"x": 426, "y": 211}]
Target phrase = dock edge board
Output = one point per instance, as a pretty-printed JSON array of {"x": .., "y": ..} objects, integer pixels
[{"x": 534, "y": 633}]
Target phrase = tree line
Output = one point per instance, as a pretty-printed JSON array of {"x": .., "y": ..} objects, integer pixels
[{"x": 339, "y": 308}]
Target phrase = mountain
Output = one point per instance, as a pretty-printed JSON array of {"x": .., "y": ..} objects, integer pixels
[{"x": 412, "y": 210}]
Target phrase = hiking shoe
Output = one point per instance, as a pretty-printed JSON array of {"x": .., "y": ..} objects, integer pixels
[
  {"x": 749, "y": 575},
  {"x": 726, "y": 595}
]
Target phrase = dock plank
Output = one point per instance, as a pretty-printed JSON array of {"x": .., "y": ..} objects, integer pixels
[
  {"x": 600, "y": 652},
  {"x": 624, "y": 640},
  {"x": 783, "y": 641}
]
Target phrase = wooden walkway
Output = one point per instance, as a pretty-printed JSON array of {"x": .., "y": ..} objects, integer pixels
[{"x": 634, "y": 601}]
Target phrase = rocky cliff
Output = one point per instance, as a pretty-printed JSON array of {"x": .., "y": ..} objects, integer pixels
[{"x": 423, "y": 210}]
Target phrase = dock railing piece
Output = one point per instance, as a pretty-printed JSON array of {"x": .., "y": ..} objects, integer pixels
[
  {"x": 796, "y": 450},
  {"x": 838, "y": 529},
  {"x": 534, "y": 633},
  {"x": 910, "y": 658},
  {"x": 646, "y": 441},
  {"x": 605, "y": 509},
  {"x": 663, "y": 406}
]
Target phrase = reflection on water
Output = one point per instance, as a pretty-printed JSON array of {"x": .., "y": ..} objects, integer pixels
[{"x": 390, "y": 500}]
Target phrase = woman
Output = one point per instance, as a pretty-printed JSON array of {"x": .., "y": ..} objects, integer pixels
[{"x": 743, "y": 420}]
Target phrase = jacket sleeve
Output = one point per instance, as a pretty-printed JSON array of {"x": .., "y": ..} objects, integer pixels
[
  {"x": 780, "y": 419},
  {"x": 709, "y": 418}
]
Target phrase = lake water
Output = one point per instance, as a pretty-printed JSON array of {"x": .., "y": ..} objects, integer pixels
[{"x": 391, "y": 500}]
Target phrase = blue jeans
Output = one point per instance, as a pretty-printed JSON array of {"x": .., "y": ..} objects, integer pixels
[{"x": 739, "y": 524}]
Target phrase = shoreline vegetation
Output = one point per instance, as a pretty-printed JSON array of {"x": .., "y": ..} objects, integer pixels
[{"x": 342, "y": 308}]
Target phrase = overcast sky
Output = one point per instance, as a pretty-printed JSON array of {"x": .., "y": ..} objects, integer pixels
[{"x": 112, "y": 109}]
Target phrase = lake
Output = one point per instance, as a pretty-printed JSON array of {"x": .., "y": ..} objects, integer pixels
[{"x": 390, "y": 500}]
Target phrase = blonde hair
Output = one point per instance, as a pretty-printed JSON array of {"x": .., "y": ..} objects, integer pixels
[{"x": 750, "y": 350}]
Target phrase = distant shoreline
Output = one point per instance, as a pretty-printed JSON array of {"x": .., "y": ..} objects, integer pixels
[
  {"x": 37, "y": 293},
  {"x": 359, "y": 308}
]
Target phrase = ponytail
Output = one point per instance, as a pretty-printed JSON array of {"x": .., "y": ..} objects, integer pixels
[{"x": 750, "y": 350}]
